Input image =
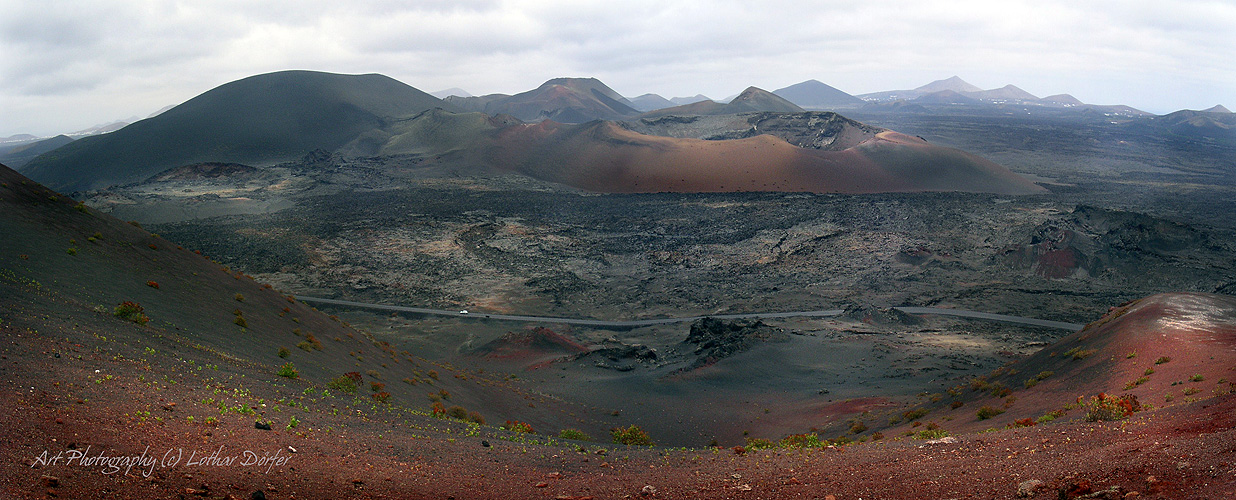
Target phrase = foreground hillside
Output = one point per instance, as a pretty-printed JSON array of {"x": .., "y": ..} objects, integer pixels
[{"x": 181, "y": 386}]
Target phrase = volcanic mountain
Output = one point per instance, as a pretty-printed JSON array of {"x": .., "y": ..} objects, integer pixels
[
  {"x": 1005, "y": 93},
  {"x": 651, "y": 102},
  {"x": 954, "y": 84},
  {"x": 258, "y": 120},
  {"x": 751, "y": 100},
  {"x": 565, "y": 100},
  {"x": 17, "y": 156},
  {"x": 813, "y": 94}
]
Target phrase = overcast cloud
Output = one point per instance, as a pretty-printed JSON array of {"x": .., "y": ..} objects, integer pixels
[{"x": 67, "y": 65}]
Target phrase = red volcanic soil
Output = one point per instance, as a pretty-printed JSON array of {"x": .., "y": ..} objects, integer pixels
[
  {"x": 85, "y": 390},
  {"x": 55, "y": 406},
  {"x": 603, "y": 157}
]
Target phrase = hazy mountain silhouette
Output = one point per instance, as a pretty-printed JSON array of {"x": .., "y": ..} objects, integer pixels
[
  {"x": 17, "y": 156},
  {"x": 751, "y": 100},
  {"x": 564, "y": 100},
  {"x": 651, "y": 102},
  {"x": 813, "y": 94}
]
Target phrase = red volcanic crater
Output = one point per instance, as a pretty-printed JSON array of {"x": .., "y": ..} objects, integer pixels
[{"x": 605, "y": 157}]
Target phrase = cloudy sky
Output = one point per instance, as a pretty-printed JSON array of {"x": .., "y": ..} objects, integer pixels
[{"x": 68, "y": 65}]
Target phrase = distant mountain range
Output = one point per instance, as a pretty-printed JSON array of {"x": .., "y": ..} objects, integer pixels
[
  {"x": 954, "y": 91},
  {"x": 573, "y": 131},
  {"x": 277, "y": 117},
  {"x": 566, "y": 100}
]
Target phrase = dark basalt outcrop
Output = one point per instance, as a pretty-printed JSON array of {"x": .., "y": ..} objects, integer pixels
[
  {"x": 1095, "y": 240},
  {"x": 873, "y": 315},
  {"x": 616, "y": 355},
  {"x": 716, "y": 339}
]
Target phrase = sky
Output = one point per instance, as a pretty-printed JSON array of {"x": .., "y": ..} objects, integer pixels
[{"x": 69, "y": 65}]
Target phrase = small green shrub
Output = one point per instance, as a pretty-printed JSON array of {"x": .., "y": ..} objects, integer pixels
[
  {"x": 518, "y": 427},
  {"x": 931, "y": 434},
  {"x": 284, "y": 352},
  {"x": 241, "y": 322},
  {"x": 131, "y": 311},
  {"x": 858, "y": 428},
  {"x": 1163, "y": 359},
  {"x": 288, "y": 370},
  {"x": 293, "y": 422},
  {"x": 457, "y": 412},
  {"x": 343, "y": 383},
  {"x": 987, "y": 412},
  {"x": 810, "y": 440},
  {"x": 632, "y": 435},
  {"x": 574, "y": 434},
  {"x": 1197, "y": 378}
]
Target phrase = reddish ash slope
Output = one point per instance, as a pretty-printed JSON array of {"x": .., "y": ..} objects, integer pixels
[
  {"x": 1164, "y": 350},
  {"x": 604, "y": 157}
]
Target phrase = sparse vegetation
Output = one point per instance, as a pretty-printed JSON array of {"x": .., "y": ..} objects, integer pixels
[
  {"x": 153, "y": 284},
  {"x": 1079, "y": 353},
  {"x": 344, "y": 383},
  {"x": 1135, "y": 383},
  {"x": 284, "y": 352},
  {"x": 574, "y": 434},
  {"x": 915, "y": 414},
  {"x": 631, "y": 435},
  {"x": 1106, "y": 408},
  {"x": 931, "y": 434},
  {"x": 1163, "y": 359},
  {"x": 131, "y": 311},
  {"x": 518, "y": 427},
  {"x": 288, "y": 370},
  {"x": 987, "y": 412},
  {"x": 240, "y": 297},
  {"x": 1197, "y": 378}
]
